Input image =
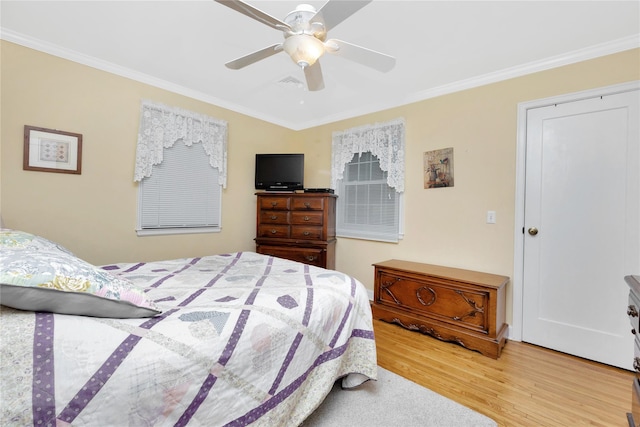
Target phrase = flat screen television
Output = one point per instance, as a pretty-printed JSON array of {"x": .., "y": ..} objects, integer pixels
[{"x": 279, "y": 172}]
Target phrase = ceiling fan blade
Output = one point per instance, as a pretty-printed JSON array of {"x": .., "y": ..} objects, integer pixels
[
  {"x": 258, "y": 15},
  {"x": 313, "y": 75},
  {"x": 370, "y": 58},
  {"x": 249, "y": 59},
  {"x": 336, "y": 11}
]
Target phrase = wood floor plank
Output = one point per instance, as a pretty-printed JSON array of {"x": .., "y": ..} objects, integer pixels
[{"x": 527, "y": 386}]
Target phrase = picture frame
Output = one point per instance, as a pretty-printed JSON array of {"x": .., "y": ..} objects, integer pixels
[
  {"x": 52, "y": 150},
  {"x": 438, "y": 168}
]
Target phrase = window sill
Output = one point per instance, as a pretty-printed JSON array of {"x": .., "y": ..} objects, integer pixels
[
  {"x": 371, "y": 238},
  {"x": 171, "y": 231}
]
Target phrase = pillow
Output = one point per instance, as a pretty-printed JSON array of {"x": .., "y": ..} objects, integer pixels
[
  {"x": 14, "y": 239},
  {"x": 39, "y": 275}
]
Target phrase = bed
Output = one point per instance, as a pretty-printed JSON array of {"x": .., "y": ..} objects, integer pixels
[{"x": 229, "y": 339}]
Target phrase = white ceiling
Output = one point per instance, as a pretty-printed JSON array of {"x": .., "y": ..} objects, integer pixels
[{"x": 440, "y": 47}]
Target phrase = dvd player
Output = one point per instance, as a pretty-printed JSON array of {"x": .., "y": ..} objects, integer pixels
[{"x": 318, "y": 190}]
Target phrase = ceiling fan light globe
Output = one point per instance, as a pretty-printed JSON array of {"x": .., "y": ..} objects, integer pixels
[{"x": 303, "y": 49}]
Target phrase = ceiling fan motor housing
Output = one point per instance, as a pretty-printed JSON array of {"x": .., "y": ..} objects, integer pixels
[{"x": 300, "y": 22}]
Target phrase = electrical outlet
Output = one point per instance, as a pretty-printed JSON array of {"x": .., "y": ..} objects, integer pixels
[{"x": 491, "y": 217}]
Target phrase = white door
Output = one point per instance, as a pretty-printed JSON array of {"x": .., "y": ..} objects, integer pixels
[{"x": 582, "y": 196}]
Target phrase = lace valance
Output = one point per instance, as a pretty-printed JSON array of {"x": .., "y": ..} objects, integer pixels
[
  {"x": 383, "y": 140},
  {"x": 162, "y": 126}
]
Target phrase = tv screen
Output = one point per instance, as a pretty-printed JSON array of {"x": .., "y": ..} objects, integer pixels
[{"x": 279, "y": 172}]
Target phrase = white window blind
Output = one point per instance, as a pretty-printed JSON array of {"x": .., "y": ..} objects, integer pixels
[
  {"x": 183, "y": 192},
  {"x": 368, "y": 208}
]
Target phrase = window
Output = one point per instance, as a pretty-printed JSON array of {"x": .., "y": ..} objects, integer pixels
[
  {"x": 181, "y": 161},
  {"x": 367, "y": 208},
  {"x": 182, "y": 196},
  {"x": 367, "y": 172}
]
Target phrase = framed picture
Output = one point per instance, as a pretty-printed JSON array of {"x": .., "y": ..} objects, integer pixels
[
  {"x": 438, "y": 168},
  {"x": 50, "y": 150}
]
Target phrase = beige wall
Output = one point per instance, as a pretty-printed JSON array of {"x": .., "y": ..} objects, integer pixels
[
  {"x": 447, "y": 226},
  {"x": 94, "y": 214}
]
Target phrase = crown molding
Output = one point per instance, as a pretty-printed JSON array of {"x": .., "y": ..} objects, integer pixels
[
  {"x": 568, "y": 58},
  {"x": 603, "y": 49},
  {"x": 591, "y": 52},
  {"x": 99, "y": 64}
]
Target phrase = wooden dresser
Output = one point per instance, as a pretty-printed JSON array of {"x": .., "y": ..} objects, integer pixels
[
  {"x": 632, "y": 311},
  {"x": 451, "y": 304},
  {"x": 297, "y": 226}
]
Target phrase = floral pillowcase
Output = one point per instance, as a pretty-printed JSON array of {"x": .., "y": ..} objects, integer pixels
[{"x": 39, "y": 275}]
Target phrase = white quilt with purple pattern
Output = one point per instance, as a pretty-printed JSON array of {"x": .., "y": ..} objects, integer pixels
[{"x": 243, "y": 339}]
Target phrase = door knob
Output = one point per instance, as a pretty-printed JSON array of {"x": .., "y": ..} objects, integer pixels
[{"x": 533, "y": 231}]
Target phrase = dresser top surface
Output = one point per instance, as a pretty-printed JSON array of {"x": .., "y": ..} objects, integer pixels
[
  {"x": 458, "y": 274},
  {"x": 290, "y": 193},
  {"x": 634, "y": 282}
]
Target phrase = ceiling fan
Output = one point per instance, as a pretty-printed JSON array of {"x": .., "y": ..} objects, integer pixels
[{"x": 305, "y": 38}]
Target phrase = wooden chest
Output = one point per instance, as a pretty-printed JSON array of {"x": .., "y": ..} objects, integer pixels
[
  {"x": 463, "y": 306},
  {"x": 297, "y": 226}
]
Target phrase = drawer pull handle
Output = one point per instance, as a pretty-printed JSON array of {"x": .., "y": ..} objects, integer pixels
[
  {"x": 306, "y": 233},
  {"x": 306, "y": 218},
  {"x": 274, "y": 217},
  {"x": 636, "y": 363},
  {"x": 274, "y": 204},
  {"x": 632, "y": 311},
  {"x": 633, "y": 331},
  {"x": 274, "y": 231},
  {"x": 311, "y": 257},
  {"x": 307, "y": 205}
]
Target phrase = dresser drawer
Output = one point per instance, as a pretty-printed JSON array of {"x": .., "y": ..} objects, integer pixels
[
  {"x": 313, "y": 256},
  {"x": 442, "y": 301},
  {"x": 274, "y": 217},
  {"x": 273, "y": 230},
  {"x": 308, "y": 203},
  {"x": 275, "y": 202},
  {"x": 306, "y": 233},
  {"x": 306, "y": 218}
]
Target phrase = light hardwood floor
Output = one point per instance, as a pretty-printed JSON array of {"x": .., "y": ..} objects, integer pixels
[{"x": 526, "y": 386}]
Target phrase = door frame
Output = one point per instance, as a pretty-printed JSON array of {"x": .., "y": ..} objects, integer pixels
[{"x": 517, "y": 282}]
